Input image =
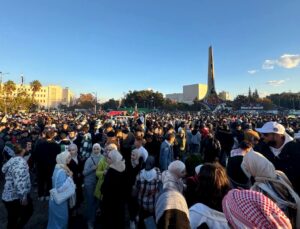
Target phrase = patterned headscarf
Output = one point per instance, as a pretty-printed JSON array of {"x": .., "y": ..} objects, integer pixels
[{"x": 250, "y": 209}]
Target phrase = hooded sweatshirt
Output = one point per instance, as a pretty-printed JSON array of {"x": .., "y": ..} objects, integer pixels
[{"x": 17, "y": 179}]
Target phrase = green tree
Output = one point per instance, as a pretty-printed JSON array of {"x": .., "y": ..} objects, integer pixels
[
  {"x": 111, "y": 104},
  {"x": 85, "y": 101},
  {"x": 35, "y": 87}
]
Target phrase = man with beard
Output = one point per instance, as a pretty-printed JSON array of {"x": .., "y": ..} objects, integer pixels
[
  {"x": 74, "y": 137},
  {"x": 282, "y": 150}
]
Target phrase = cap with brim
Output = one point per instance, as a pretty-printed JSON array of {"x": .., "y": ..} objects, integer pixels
[{"x": 271, "y": 127}]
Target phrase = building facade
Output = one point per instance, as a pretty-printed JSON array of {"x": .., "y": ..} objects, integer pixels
[
  {"x": 175, "y": 97},
  {"x": 190, "y": 93},
  {"x": 48, "y": 96},
  {"x": 224, "y": 95},
  {"x": 193, "y": 91}
]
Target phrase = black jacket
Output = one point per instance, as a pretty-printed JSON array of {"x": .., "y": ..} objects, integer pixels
[{"x": 288, "y": 161}]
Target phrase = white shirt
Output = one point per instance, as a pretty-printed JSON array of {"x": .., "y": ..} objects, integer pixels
[{"x": 276, "y": 151}]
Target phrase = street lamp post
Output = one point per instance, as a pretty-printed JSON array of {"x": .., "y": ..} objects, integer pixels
[{"x": 96, "y": 100}]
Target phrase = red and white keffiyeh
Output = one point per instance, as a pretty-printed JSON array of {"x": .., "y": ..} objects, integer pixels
[{"x": 250, "y": 209}]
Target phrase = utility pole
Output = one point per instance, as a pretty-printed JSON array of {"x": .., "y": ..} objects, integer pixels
[{"x": 96, "y": 100}]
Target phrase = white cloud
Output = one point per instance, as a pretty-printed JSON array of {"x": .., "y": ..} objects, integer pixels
[
  {"x": 275, "y": 83},
  {"x": 289, "y": 61},
  {"x": 284, "y": 61},
  {"x": 268, "y": 64},
  {"x": 252, "y": 71}
]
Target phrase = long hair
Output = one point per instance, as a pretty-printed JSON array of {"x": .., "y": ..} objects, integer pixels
[{"x": 213, "y": 185}]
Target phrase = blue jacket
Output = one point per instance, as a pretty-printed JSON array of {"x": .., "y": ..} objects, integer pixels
[{"x": 166, "y": 155}]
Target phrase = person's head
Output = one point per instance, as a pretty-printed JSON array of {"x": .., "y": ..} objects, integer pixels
[
  {"x": 19, "y": 150},
  {"x": 251, "y": 209},
  {"x": 251, "y": 136},
  {"x": 213, "y": 185},
  {"x": 85, "y": 129},
  {"x": 149, "y": 137},
  {"x": 170, "y": 137},
  {"x": 211, "y": 149},
  {"x": 108, "y": 127},
  {"x": 49, "y": 134},
  {"x": 181, "y": 133},
  {"x": 72, "y": 148},
  {"x": 96, "y": 148},
  {"x": 135, "y": 155},
  {"x": 63, "y": 134},
  {"x": 138, "y": 142},
  {"x": 177, "y": 168},
  {"x": 109, "y": 148},
  {"x": 111, "y": 136},
  {"x": 63, "y": 158},
  {"x": 65, "y": 126},
  {"x": 150, "y": 163},
  {"x": 72, "y": 133},
  {"x": 272, "y": 133},
  {"x": 114, "y": 156},
  {"x": 119, "y": 134},
  {"x": 255, "y": 164}
]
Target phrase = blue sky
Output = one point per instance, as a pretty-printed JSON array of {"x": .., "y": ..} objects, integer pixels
[{"x": 114, "y": 46}]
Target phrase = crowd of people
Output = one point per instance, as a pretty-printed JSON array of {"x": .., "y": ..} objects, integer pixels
[{"x": 159, "y": 170}]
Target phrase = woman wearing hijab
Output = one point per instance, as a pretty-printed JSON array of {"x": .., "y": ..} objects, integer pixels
[
  {"x": 113, "y": 201},
  {"x": 102, "y": 169},
  {"x": 274, "y": 184},
  {"x": 76, "y": 166},
  {"x": 171, "y": 210},
  {"x": 90, "y": 181},
  {"x": 147, "y": 187},
  {"x": 172, "y": 178},
  {"x": 58, "y": 213},
  {"x": 251, "y": 209}
]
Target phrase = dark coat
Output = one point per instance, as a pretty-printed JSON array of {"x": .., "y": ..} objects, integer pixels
[
  {"x": 45, "y": 156},
  {"x": 235, "y": 173},
  {"x": 287, "y": 161},
  {"x": 113, "y": 202},
  {"x": 77, "y": 178}
]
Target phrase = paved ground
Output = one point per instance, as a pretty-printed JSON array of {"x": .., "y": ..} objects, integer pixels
[{"x": 39, "y": 218}]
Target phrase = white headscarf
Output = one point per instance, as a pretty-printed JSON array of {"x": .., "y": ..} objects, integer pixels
[
  {"x": 74, "y": 157},
  {"x": 137, "y": 155},
  {"x": 62, "y": 160},
  {"x": 109, "y": 148},
  {"x": 117, "y": 161},
  {"x": 96, "y": 145},
  {"x": 177, "y": 167},
  {"x": 256, "y": 165}
]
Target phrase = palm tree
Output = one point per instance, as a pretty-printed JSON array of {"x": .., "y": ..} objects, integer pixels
[
  {"x": 9, "y": 87},
  {"x": 35, "y": 87}
]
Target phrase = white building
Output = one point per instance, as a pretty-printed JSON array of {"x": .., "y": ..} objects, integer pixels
[
  {"x": 190, "y": 93},
  {"x": 224, "y": 95},
  {"x": 176, "y": 97},
  {"x": 48, "y": 96},
  {"x": 193, "y": 91}
]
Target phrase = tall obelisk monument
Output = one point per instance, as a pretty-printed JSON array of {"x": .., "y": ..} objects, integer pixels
[{"x": 211, "y": 91}]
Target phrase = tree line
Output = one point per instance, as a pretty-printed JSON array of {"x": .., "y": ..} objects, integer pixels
[{"x": 155, "y": 100}]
